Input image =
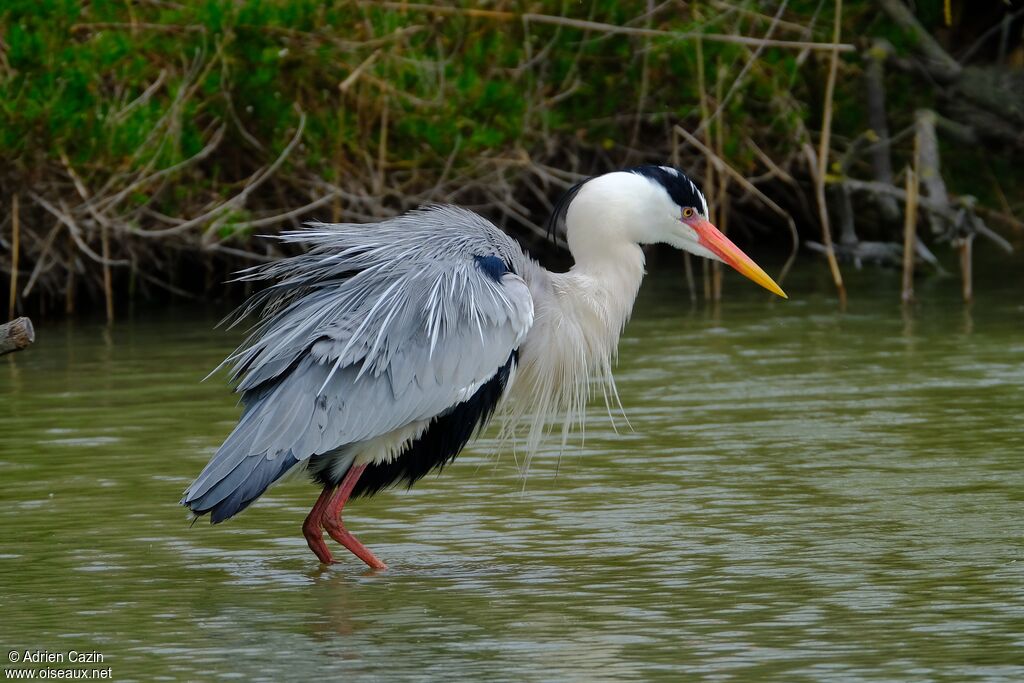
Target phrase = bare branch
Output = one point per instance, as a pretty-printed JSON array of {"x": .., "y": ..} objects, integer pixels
[
  {"x": 239, "y": 198},
  {"x": 609, "y": 28},
  {"x": 64, "y": 217}
]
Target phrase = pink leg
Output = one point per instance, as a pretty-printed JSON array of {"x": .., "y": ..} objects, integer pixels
[
  {"x": 335, "y": 528},
  {"x": 311, "y": 527}
]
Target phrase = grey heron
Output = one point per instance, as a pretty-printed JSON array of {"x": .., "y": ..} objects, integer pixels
[{"x": 385, "y": 347}]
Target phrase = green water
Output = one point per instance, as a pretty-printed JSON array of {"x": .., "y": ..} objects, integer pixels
[{"x": 806, "y": 495}]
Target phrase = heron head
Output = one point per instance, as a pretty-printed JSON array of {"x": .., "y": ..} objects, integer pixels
[
  {"x": 649, "y": 205},
  {"x": 685, "y": 224}
]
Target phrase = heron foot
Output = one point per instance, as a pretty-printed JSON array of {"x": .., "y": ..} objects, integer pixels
[
  {"x": 315, "y": 541},
  {"x": 335, "y": 528},
  {"x": 311, "y": 529},
  {"x": 326, "y": 516}
]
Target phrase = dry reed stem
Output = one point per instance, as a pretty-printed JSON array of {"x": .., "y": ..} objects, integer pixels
[
  {"x": 69, "y": 285},
  {"x": 382, "y": 148},
  {"x": 645, "y": 79},
  {"x": 738, "y": 81},
  {"x": 909, "y": 237},
  {"x": 706, "y": 276},
  {"x": 721, "y": 195},
  {"x": 787, "y": 25},
  {"x": 966, "y": 270},
  {"x": 15, "y": 248},
  {"x": 709, "y": 170},
  {"x": 122, "y": 25},
  {"x": 108, "y": 288},
  {"x": 691, "y": 286},
  {"x": 723, "y": 225},
  {"x": 821, "y": 167},
  {"x": 358, "y": 71}
]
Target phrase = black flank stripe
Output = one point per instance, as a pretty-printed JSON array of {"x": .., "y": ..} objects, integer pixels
[{"x": 444, "y": 439}]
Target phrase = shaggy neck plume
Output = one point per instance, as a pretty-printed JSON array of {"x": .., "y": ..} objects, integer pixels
[{"x": 577, "y": 322}]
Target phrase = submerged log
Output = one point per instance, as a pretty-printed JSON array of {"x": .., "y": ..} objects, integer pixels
[
  {"x": 16, "y": 335},
  {"x": 886, "y": 254}
]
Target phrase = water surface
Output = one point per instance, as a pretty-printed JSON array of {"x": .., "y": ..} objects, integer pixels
[{"x": 805, "y": 495}]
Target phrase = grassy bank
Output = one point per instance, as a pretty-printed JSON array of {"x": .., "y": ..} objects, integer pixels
[{"x": 146, "y": 142}]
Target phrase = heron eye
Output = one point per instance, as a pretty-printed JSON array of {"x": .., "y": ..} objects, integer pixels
[{"x": 688, "y": 212}]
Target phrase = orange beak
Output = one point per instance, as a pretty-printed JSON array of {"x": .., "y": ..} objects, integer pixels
[{"x": 713, "y": 239}]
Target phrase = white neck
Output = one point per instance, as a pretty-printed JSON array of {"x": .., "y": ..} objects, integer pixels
[
  {"x": 600, "y": 289},
  {"x": 578, "y": 318},
  {"x": 604, "y": 223}
]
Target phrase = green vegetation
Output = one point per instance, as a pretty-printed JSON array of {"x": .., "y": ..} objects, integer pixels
[{"x": 181, "y": 130}]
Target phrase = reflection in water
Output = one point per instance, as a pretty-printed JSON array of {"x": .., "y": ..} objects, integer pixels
[
  {"x": 968, "y": 319},
  {"x": 806, "y": 494}
]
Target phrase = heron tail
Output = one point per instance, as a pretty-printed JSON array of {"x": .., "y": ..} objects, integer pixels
[{"x": 236, "y": 476}]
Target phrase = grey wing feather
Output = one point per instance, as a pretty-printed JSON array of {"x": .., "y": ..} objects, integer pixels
[{"x": 376, "y": 327}]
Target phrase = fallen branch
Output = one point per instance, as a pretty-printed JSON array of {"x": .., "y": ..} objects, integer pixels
[
  {"x": 947, "y": 211},
  {"x": 887, "y": 254}
]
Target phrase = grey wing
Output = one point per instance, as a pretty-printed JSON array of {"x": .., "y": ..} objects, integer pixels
[{"x": 376, "y": 328}]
